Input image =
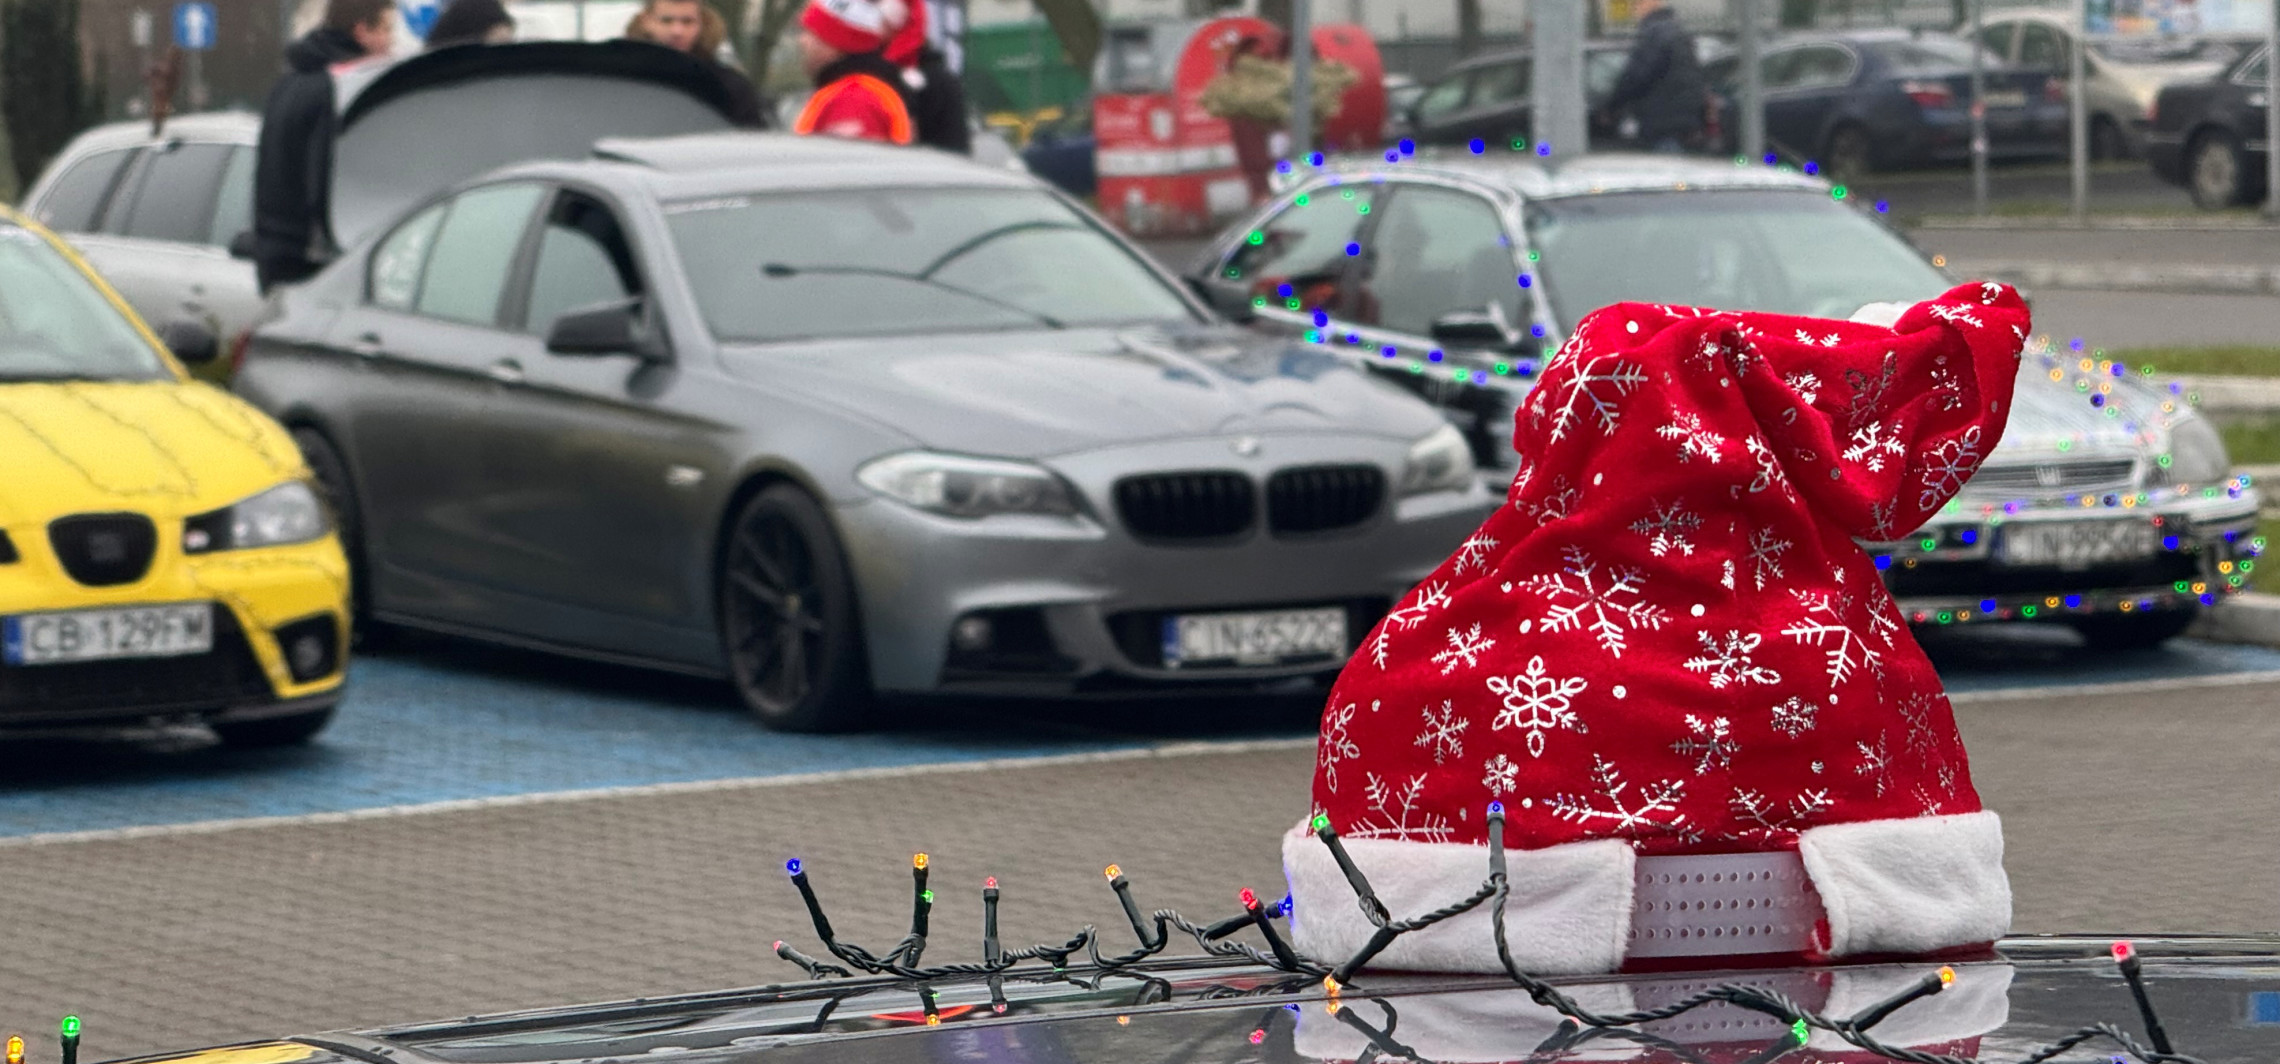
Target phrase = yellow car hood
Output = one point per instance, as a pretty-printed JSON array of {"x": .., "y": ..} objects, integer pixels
[{"x": 162, "y": 448}]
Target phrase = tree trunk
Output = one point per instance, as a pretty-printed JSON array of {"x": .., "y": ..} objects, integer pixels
[
  {"x": 1800, "y": 14},
  {"x": 1468, "y": 27},
  {"x": 44, "y": 99},
  {"x": 1077, "y": 25},
  {"x": 775, "y": 16}
]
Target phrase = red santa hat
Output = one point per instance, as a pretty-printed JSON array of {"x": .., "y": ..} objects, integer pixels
[
  {"x": 1708, "y": 728},
  {"x": 906, "y": 31},
  {"x": 851, "y": 26}
]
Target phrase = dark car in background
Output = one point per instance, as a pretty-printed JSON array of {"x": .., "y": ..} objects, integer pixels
[
  {"x": 1865, "y": 100},
  {"x": 1487, "y": 98},
  {"x": 2208, "y": 135}
]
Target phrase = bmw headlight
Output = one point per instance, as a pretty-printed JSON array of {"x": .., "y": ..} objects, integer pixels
[
  {"x": 958, "y": 486},
  {"x": 1442, "y": 461},
  {"x": 2196, "y": 455},
  {"x": 287, "y": 513}
]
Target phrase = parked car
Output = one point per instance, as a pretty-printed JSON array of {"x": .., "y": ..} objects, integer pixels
[
  {"x": 2207, "y": 135},
  {"x": 156, "y": 215},
  {"x": 2118, "y": 515},
  {"x": 1864, "y": 100},
  {"x": 828, "y": 418},
  {"x": 1487, "y": 98},
  {"x": 2122, "y": 74},
  {"x": 1062, "y": 151},
  {"x": 162, "y": 553}
]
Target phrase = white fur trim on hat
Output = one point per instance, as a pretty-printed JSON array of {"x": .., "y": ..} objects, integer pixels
[
  {"x": 1569, "y": 911},
  {"x": 1910, "y": 886}
]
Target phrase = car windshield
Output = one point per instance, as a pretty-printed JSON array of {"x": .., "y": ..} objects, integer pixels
[
  {"x": 55, "y": 324},
  {"x": 1930, "y": 53},
  {"x": 2164, "y": 49},
  {"x": 888, "y": 261},
  {"x": 1786, "y": 252}
]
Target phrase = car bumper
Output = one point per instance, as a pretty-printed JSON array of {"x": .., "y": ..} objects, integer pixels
[
  {"x": 1076, "y": 605},
  {"x": 263, "y": 599},
  {"x": 2205, "y": 550},
  {"x": 1945, "y": 135}
]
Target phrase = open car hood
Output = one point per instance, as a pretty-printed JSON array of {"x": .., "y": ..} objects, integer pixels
[{"x": 420, "y": 126}]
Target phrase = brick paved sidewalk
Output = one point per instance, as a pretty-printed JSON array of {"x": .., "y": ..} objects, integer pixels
[{"x": 2122, "y": 811}]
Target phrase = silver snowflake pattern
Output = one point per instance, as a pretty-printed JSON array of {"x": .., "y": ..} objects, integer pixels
[
  {"x": 1880, "y": 517},
  {"x": 1767, "y": 473},
  {"x": 1537, "y": 702},
  {"x": 1989, "y": 292},
  {"x": 1444, "y": 732},
  {"x": 1871, "y": 444},
  {"x": 1605, "y": 600},
  {"x": 1594, "y": 390},
  {"x": 1916, "y": 712},
  {"x": 1947, "y": 389},
  {"x": 1947, "y": 778},
  {"x": 1929, "y": 802},
  {"x": 1794, "y": 716},
  {"x": 1875, "y": 763},
  {"x": 1758, "y": 816},
  {"x": 1473, "y": 553},
  {"x": 1465, "y": 648},
  {"x": 1727, "y": 659},
  {"x": 1765, "y": 551},
  {"x": 1709, "y": 743},
  {"x": 1827, "y": 624},
  {"x": 1558, "y": 502},
  {"x": 1652, "y": 811},
  {"x": 1708, "y": 354},
  {"x": 1868, "y": 392},
  {"x": 1381, "y": 646},
  {"x": 1667, "y": 527},
  {"x": 1948, "y": 466},
  {"x": 1806, "y": 385},
  {"x": 1693, "y": 440},
  {"x": 1499, "y": 774},
  {"x": 1337, "y": 744},
  {"x": 1949, "y": 312},
  {"x": 1726, "y": 575},
  {"x": 1394, "y": 814},
  {"x": 1429, "y": 597}
]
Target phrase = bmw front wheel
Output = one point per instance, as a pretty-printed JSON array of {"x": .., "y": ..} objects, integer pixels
[{"x": 788, "y": 619}]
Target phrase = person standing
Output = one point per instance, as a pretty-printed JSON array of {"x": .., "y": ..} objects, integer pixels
[
  {"x": 937, "y": 96},
  {"x": 1662, "y": 83},
  {"x": 292, "y": 176},
  {"x": 471, "y": 22},
  {"x": 680, "y": 25},
  {"x": 858, "y": 93}
]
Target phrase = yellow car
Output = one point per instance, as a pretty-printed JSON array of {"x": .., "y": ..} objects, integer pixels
[{"x": 164, "y": 556}]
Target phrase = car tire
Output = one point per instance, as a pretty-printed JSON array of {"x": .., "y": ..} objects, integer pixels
[
  {"x": 1848, "y": 156},
  {"x": 2216, "y": 171},
  {"x": 331, "y": 473},
  {"x": 2106, "y": 141},
  {"x": 2135, "y": 631},
  {"x": 789, "y": 625},
  {"x": 273, "y": 732}
]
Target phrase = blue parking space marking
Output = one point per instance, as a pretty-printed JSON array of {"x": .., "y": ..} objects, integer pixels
[{"x": 447, "y": 720}]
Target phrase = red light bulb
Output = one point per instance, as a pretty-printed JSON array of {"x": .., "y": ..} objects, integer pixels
[
  {"x": 1250, "y": 900},
  {"x": 2123, "y": 950},
  {"x": 991, "y": 883}
]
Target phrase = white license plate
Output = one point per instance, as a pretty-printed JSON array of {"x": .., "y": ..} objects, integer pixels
[
  {"x": 119, "y": 632},
  {"x": 2006, "y": 98},
  {"x": 1268, "y": 637},
  {"x": 2075, "y": 544}
]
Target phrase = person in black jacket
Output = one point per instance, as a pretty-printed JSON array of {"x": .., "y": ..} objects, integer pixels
[
  {"x": 689, "y": 26},
  {"x": 937, "y": 96},
  {"x": 1661, "y": 83},
  {"x": 471, "y": 22},
  {"x": 292, "y": 176}
]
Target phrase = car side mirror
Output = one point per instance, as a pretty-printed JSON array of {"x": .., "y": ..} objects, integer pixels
[
  {"x": 1231, "y": 303},
  {"x": 192, "y": 342},
  {"x": 1474, "y": 328},
  {"x": 241, "y": 245},
  {"x": 601, "y": 329}
]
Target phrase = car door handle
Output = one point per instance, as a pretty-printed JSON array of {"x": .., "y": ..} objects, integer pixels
[
  {"x": 506, "y": 371},
  {"x": 366, "y": 346}
]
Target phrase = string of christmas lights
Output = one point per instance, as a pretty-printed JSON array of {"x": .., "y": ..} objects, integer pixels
[{"x": 1583, "y": 1023}]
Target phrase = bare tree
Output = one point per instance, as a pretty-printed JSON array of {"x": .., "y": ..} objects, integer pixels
[
  {"x": 775, "y": 17},
  {"x": 1468, "y": 26},
  {"x": 1077, "y": 25}
]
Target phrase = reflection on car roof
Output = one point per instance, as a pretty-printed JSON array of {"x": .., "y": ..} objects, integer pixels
[
  {"x": 703, "y": 163},
  {"x": 241, "y": 127},
  {"x": 1537, "y": 178}
]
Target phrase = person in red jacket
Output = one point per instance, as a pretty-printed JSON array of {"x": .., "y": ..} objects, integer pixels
[{"x": 858, "y": 93}]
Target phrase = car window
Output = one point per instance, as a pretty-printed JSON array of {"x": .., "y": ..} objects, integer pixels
[
  {"x": 2041, "y": 46},
  {"x": 174, "y": 196},
  {"x": 1305, "y": 246},
  {"x": 1436, "y": 251},
  {"x": 233, "y": 203},
  {"x": 2253, "y": 71},
  {"x": 1780, "y": 70},
  {"x": 71, "y": 203},
  {"x": 1822, "y": 67},
  {"x": 1444, "y": 97},
  {"x": 1499, "y": 84},
  {"x": 474, "y": 248},
  {"x": 583, "y": 259},
  {"x": 1601, "y": 70},
  {"x": 56, "y": 325},
  {"x": 1997, "y": 38},
  {"x": 399, "y": 260}
]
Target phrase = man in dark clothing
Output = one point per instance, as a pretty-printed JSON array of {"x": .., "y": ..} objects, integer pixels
[
  {"x": 1661, "y": 83},
  {"x": 292, "y": 176},
  {"x": 680, "y": 25},
  {"x": 937, "y": 98}
]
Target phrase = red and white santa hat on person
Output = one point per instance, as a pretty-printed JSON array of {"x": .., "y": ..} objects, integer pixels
[
  {"x": 850, "y": 26},
  {"x": 1708, "y": 728},
  {"x": 906, "y": 30}
]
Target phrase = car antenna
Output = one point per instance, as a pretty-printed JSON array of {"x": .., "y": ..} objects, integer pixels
[{"x": 163, "y": 77}]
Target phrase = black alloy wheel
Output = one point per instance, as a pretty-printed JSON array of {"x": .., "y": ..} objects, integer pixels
[
  {"x": 331, "y": 474},
  {"x": 1849, "y": 156},
  {"x": 274, "y": 731},
  {"x": 2216, "y": 170},
  {"x": 2136, "y": 631},
  {"x": 788, "y": 621}
]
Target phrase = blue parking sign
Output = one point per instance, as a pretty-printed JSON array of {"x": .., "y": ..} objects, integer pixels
[
  {"x": 418, "y": 15},
  {"x": 194, "y": 25}
]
